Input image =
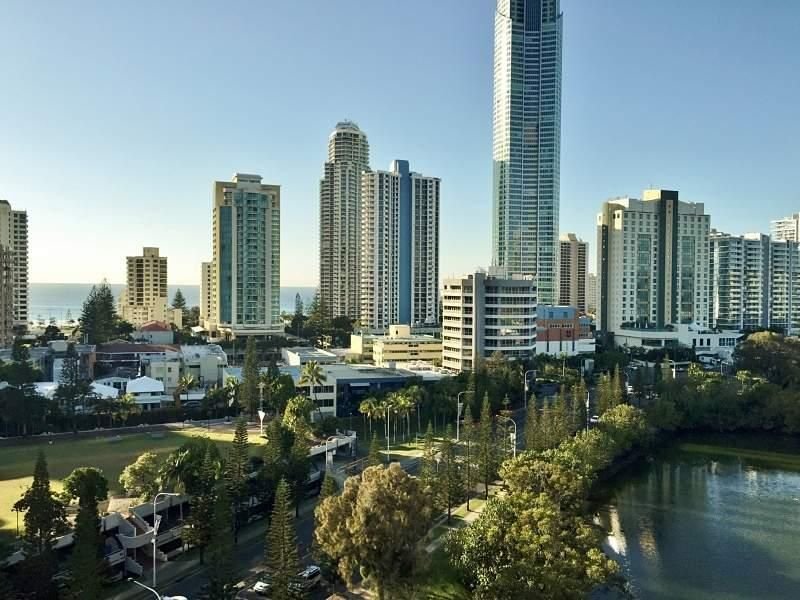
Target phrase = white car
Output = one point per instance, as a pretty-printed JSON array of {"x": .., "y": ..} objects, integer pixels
[
  {"x": 261, "y": 588},
  {"x": 310, "y": 576}
]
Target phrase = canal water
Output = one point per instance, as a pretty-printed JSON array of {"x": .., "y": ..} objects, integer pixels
[{"x": 711, "y": 518}]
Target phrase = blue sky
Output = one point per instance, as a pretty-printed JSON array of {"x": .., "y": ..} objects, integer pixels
[{"x": 115, "y": 118}]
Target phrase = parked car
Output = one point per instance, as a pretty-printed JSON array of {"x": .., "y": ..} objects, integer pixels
[
  {"x": 261, "y": 588},
  {"x": 310, "y": 576}
]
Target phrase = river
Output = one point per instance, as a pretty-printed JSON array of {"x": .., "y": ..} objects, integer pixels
[{"x": 711, "y": 518}]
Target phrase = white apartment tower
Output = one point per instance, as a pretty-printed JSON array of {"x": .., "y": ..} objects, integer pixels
[
  {"x": 399, "y": 248},
  {"x": 573, "y": 256},
  {"x": 14, "y": 241},
  {"x": 484, "y": 313},
  {"x": 246, "y": 266},
  {"x": 340, "y": 221},
  {"x": 784, "y": 291},
  {"x": 786, "y": 229},
  {"x": 653, "y": 265}
]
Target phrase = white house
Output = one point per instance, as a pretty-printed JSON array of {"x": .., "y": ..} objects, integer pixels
[{"x": 148, "y": 392}]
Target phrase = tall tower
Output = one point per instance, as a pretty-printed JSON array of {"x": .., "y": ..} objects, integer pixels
[
  {"x": 340, "y": 220},
  {"x": 572, "y": 271},
  {"x": 526, "y": 149},
  {"x": 14, "y": 242},
  {"x": 247, "y": 257},
  {"x": 145, "y": 297},
  {"x": 399, "y": 248}
]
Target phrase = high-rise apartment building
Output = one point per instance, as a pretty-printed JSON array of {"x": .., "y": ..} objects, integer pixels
[
  {"x": 206, "y": 291},
  {"x": 484, "y": 313},
  {"x": 591, "y": 293},
  {"x": 14, "y": 240},
  {"x": 247, "y": 257},
  {"x": 145, "y": 295},
  {"x": 740, "y": 281},
  {"x": 340, "y": 221},
  {"x": 526, "y": 149},
  {"x": 6, "y": 298},
  {"x": 399, "y": 248},
  {"x": 653, "y": 266},
  {"x": 786, "y": 229},
  {"x": 784, "y": 293},
  {"x": 573, "y": 256}
]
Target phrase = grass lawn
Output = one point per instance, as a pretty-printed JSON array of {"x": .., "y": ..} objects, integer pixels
[
  {"x": 63, "y": 455},
  {"x": 439, "y": 581}
]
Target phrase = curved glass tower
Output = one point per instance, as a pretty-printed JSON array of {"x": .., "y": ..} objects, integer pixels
[{"x": 527, "y": 140}]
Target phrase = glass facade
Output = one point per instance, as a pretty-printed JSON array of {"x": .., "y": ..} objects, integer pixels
[{"x": 527, "y": 139}]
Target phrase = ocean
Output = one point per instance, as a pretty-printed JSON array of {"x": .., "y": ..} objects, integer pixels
[{"x": 62, "y": 301}]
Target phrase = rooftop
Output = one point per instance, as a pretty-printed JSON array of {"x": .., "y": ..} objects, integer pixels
[
  {"x": 123, "y": 347},
  {"x": 144, "y": 384},
  {"x": 155, "y": 326}
]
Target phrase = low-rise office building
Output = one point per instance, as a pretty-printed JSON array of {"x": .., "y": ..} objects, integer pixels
[
  {"x": 563, "y": 331},
  {"x": 300, "y": 355},
  {"x": 702, "y": 340},
  {"x": 484, "y": 313},
  {"x": 401, "y": 346}
]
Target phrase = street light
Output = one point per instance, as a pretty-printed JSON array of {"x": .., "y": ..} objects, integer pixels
[
  {"x": 525, "y": 393},
  {"x": 156, "y": 522},
  {"x": 514, "y": 439},
  {"x": 155, "y": 593},
  {"x": 459, "y": 404}
]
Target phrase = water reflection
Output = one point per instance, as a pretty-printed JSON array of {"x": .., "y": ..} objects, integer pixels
[{"x": 698, "y": 526}]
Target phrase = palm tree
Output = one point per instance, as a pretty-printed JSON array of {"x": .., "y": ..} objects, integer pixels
[
  {"x": 232, "y": 386},
  {"x": 369, "y": 408},
  {"x": 414, "y": 394},
  {"x": 403, "y": 407},
  {"x": 124, "y": 407},
  {"x": 312, "y": 375},
  {"x": 185, "y": 383}
]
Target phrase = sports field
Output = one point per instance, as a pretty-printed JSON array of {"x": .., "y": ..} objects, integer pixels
[{"x": 63, "y": 455}]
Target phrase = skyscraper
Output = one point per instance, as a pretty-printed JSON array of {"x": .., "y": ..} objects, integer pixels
[
  {"x": 247, "y": 257},
  {"x": 526, "y": 147},
  {"x": 572, "y": 271},
  {"x": 14, "y": 240},
  {"x": 399, "y": 248},
  {"x": 340, "y": 220},
  {"x": 206, "y": 291}
]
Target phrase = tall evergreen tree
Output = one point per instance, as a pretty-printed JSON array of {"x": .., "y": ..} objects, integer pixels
[
  {"x": 427, "y": 466},
  {"x": 617, "y": 387},
  {"x": 237, "y": 473},
  {"x": 281, "y": 547},
  {"x": 451, "y": 476},
  {"x": 298, "y": 305},
  {"x": 72, "y": 389},
  {"x": 532, "y": 427},
  {"x": 329, "y": 487},
  {"x": 87, "y": 562},
  {"x": 45, "y": 515},
  {"x": 579, "y": 394},
  {"x": 98, "y": 320},
  {"x": 221, "y": 572},
  {"x": 179, "y": 301},
  {"x": 467, "y": 436},
  {"x": 200, "y": 532},
  {"x": 487, "y": 459},
  {"x": 249, "y": 393},
  {"x": 297, "y": 468}
]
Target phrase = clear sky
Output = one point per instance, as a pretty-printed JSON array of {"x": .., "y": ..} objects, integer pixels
[{"x": 115, "y": 117}]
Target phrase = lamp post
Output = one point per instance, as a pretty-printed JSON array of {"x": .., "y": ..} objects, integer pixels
[
  {"x": 388, "y": 449},
  {"x": 156, "y": 522},
  {"x": 514, "y": 439},
  {"x": 155, "y": 593},
  {"x": 459, "y": 404},
  {"x": 525, "y": 381}
]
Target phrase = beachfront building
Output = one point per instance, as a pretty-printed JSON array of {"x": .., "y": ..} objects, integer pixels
[
  {"x": 14, "y": 245},
  {"x": 145, "y": 297},
  {"x": 246, "y": 273}
]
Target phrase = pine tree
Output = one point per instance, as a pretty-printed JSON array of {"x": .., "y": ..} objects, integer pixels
[
  {"x": 281, "y": 551},
  {"x": 427, "y": 465},
  {"x": 250, "y": 378},
  {"x": 374, "y": 458},
  {"x": 297, "y": 468},
  {"x": 220, "y": 570},
  {"x": 179, "y": 301},
  {"x": 561, "y": 417},
  {"x": 451, "y": 476},
  {"x": 487, "y": 458},
  {"x": 72, "y": 389},
  {"x": 98, "y": 320},
  {"x": 45, "y": 515},
  {"x": 579, "y": 405},
  {"x": 199, "y": 531},
  {"x": 532, "y": 428},
  {"x": 617, "y": 388},
  {"x": 329, "y": 487},
  {"x": 87, "y": 558},
  {"x": 237, "y": 473},
  {"x": 546, "y": 437},
  {"x": 298, "y": 305}
]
